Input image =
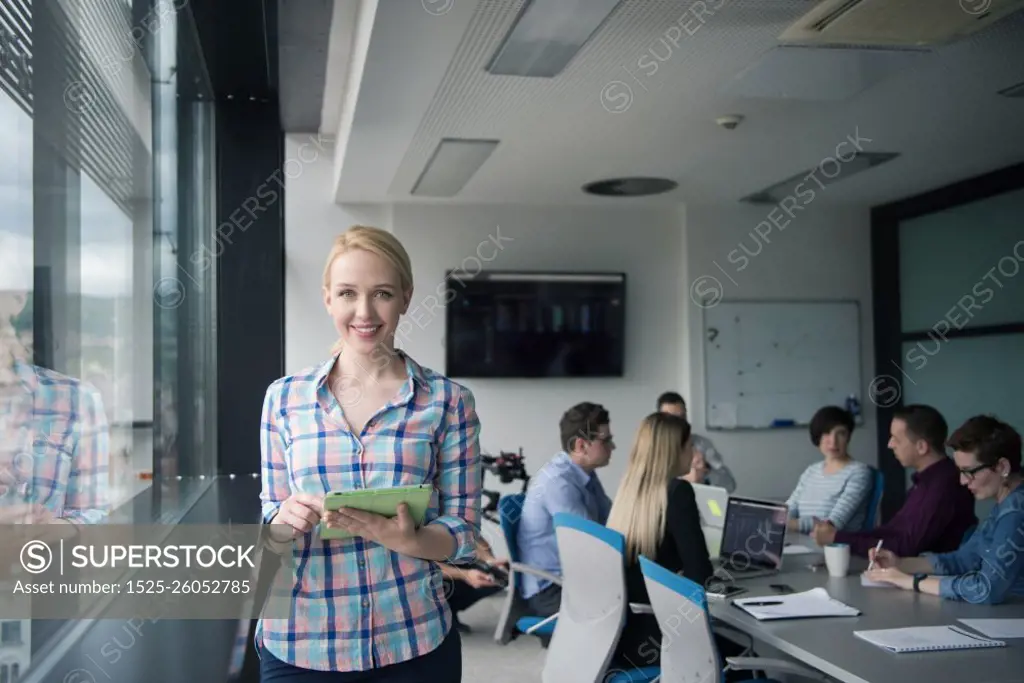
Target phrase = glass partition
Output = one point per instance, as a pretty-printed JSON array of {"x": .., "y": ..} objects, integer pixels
[{"x": 107, "y": 300}]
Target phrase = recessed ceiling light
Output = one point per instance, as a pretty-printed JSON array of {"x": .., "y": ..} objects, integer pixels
[
  {"x": 546, "y": 36},
  {"x": 630, "y": 187},
  {"x": 452, "y": 165},
  {"x": 860, "y": 161}
]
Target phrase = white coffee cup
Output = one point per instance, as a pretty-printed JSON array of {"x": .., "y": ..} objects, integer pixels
[{"x": 837, "y": 559}]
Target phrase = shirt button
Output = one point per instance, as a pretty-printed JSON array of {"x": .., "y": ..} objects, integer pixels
[
  {"x": 366, "y": 603},
  {"x": 362, "y": 564}
]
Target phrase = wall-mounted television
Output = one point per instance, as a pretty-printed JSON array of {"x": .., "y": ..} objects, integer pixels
[{"x": 535, "y": 324}]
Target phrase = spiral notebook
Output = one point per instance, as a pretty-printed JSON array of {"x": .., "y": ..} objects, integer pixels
[{"x": 926, "y": 639}]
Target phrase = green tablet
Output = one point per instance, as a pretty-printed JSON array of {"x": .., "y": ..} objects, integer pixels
[{"x": 380, "y": 501}]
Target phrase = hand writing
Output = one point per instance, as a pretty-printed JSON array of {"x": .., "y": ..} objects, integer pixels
[
  {"x": 883, "y": 559},
  {"x": 889, "y": 575}
]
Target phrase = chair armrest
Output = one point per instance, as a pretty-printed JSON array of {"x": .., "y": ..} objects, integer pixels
[
  {"x": 641, "y": 608},
  {"x": 543, "y": 622},
  {"x": 733, "y": 634},
  {"x": 776, "y": 665},
  {"x": 540, "y": 573}
]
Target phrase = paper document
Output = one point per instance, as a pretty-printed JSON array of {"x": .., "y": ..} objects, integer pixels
[
  {"x": 813, "y": 603},
  {"x": 797, "y": 550},
  {"x": 868, "y": 583},
  {"x": 997, "y": 628},
  {"x": 926, "y": 639}
]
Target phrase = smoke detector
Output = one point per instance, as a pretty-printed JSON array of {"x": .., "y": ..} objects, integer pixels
[{"x": 730, "y": 121}]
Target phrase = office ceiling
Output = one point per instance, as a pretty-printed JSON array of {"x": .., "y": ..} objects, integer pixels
[
  {"x": 303, "y": 37},
  {"x": 239, "y": 46},
  {"x": 636, "y": 102}
]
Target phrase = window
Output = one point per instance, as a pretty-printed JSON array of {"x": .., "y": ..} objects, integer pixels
[{"x": 10, "y": 633}]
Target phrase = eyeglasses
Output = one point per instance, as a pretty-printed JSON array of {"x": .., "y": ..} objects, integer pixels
[{"x": 971, "y": 471}]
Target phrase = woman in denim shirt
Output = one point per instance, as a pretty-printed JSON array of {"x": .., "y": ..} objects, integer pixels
[{"x": 989, "y": 567}]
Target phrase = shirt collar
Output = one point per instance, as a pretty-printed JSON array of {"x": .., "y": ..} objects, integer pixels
[
  {"x": 413, "y": 369},
  {"x": 574, "y": 471},
  {"x": 27, "y": 375},
  {"x": 1014, "y": 501},
  {"x": 936, "y": 470}
]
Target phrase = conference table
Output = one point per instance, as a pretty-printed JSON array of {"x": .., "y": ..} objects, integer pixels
[{"x": 829, "y": 646}]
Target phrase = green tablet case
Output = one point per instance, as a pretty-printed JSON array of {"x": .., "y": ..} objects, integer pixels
[{"x": 380, "y": 501}]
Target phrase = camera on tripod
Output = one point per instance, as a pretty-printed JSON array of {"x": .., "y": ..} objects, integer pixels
[{"x": 508, "y": 467}]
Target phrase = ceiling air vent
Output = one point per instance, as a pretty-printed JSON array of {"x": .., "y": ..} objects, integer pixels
[{"x": 893, "y": 23}]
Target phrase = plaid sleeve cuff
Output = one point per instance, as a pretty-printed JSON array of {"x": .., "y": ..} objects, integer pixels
[
  {"x": 465, "y": 537},
  {"x": 87, "y": 516},
  {"x": 269, "y": 510}
]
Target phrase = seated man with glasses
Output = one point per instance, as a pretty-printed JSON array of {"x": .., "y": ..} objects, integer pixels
[
  {"x": 568, "y": 483},
  {"x": 989, "y": 567}
]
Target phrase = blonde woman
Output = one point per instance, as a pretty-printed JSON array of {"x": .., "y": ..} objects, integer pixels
[
  {"x": 657, "y": 512},
  {"x": 369, "y": 608}
]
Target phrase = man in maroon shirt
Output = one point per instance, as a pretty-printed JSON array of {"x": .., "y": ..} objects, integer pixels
[{"x": 938, "y": 511}]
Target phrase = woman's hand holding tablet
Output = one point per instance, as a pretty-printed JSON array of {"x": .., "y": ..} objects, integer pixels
[
  {"x": 388, "y": 516},
  {"x": 396, "y": 533},
  {"x": 297, "y": 515}
]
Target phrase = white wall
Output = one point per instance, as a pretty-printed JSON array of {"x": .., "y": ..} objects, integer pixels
[
  {"x": 821, "y": 253},
  {"x": 312, "y": 221},
  {"x": 645, "y": 244}
]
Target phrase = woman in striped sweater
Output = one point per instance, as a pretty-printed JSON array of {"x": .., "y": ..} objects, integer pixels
[{"x": 837, "y": 489}]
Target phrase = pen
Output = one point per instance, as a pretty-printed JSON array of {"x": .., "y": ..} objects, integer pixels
[
  {"x": 766, "y": 603},
  {"x": 878, "y": 547}
]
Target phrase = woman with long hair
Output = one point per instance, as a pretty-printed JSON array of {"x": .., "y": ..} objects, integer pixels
[
  {"x": 371, "y": 607},
  {"x": 655, "y": 509}
]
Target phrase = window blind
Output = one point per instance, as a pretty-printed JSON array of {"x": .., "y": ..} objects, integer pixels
[{"x": 69, "y": 64}]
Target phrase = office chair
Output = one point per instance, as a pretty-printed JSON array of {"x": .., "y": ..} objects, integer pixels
[
  {"x": 514, "y": 617},
  {"x": 875, "y": 503},
  {"x": 688, "y": 651},
  {"x": 593, "y": 608}
]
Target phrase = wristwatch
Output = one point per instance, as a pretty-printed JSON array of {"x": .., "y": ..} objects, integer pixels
[{"x": 918, "y": 578}]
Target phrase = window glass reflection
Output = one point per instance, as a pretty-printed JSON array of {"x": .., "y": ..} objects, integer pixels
[{"x": 107, "y": 348}]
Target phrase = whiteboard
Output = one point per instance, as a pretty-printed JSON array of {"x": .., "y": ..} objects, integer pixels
[{"x": 771, "y": 361}]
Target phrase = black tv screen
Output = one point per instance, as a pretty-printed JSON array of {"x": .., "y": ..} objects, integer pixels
[{"x": 523, "y": 324}]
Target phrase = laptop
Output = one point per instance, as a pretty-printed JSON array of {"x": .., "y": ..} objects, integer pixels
[
  {"x": 753, "y": 537},
  {"x": 712, "y": 501}
]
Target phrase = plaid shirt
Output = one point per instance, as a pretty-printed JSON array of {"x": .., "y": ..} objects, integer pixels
[
  {"x": 357, "y": 605},
  {"x": 56, "y": 444}
]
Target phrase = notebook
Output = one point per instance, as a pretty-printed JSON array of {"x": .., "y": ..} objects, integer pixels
[
  {"x": 797, "y": 550},
  {"x": 996, "y": 628},
  {"x": 868, "y": 583},
  {"x": 926, "y": 639},
  {"x": 809, "y": 604}
]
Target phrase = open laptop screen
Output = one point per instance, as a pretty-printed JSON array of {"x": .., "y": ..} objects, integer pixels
[{"x": 755, "y": 532}]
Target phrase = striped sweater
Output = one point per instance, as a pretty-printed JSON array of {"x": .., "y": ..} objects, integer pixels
[{"x": 841, "y": 497}]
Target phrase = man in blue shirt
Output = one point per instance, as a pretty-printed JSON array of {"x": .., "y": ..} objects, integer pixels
[{"x": 568, "y": 483}]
